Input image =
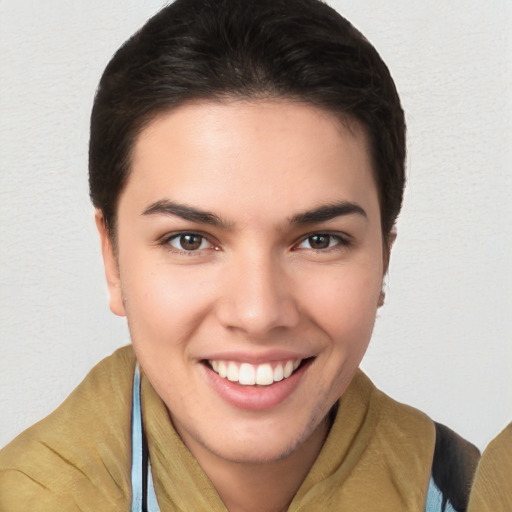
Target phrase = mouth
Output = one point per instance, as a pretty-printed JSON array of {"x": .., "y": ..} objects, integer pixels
[{"x": 265, "y": 374}]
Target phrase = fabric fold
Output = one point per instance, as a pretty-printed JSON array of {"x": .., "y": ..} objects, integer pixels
[
  {"x": 78, "y": 458},
  {"x": 377, "y": 455}
]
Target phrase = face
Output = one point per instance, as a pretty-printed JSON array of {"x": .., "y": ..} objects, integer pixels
[{"x": 249, "y": 265}]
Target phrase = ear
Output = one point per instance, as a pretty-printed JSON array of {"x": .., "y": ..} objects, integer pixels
[
  {"x": 391, "y": 237},
  {"x": 111, "y": 267}
]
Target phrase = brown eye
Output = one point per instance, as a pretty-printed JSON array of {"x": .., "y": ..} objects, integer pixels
[
  {"x": 319, "y": 241},
  {"x": 189, "y": 242},
  {"x": 322, "y": 241}
]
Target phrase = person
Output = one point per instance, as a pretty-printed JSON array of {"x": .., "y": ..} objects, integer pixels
[
  {"x": 492, "y": 486},
  {"x": 247, "y": 167}
]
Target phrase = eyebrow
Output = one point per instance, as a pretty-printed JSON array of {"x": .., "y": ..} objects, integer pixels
[
  {"x": 167, "y": 207},
  {"x": 328, "y": 212},
  {"x": 323, "y": 213}
]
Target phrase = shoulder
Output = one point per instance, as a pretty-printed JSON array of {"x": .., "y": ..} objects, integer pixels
[
  {"x": 403, "y": 423},
  {"x": 492, "y": 488},
  {"x": 427, "y": 448},
  {"x": 79, "y": 452},
  {"x": 390, "y": 451},
  {"x": 499, "y": 452}
]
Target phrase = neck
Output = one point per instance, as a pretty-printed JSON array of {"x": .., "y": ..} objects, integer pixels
[{"x": 269, "y": 486}]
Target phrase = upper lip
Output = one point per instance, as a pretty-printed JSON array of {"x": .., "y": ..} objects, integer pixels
[{"x": 266, "y": 356}]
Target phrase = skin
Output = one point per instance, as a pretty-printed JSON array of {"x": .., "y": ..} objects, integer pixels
[{"x": 258, "y": 285}]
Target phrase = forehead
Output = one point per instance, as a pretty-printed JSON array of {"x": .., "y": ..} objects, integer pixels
[{"x": 248, "y": 155}]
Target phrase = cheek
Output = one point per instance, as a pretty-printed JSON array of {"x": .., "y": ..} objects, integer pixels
[
  {"x": 344, "y": 302},
  {"x": 344, "y": 306},
  {"x": 164, "y": 303}
]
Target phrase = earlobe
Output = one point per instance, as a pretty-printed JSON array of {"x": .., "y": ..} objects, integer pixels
[
  {"x": 382, "y": 298},
  {"x": 111, "y": 267}
]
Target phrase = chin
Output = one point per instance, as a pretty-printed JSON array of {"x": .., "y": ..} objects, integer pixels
[
  {"x": 273, "y": 444},
  {"x": 258, "y": 453}
]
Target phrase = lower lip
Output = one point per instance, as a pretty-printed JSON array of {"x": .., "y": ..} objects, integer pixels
[{"x": 256, "y": 398}]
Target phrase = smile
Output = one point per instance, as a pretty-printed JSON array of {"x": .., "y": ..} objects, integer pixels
[{"x": 247, "y": 374}]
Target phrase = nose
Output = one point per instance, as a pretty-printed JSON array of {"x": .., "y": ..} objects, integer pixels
[{"x": 257, "y": 297}]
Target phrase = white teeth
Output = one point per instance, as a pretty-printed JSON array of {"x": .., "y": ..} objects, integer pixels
[
  {"x": 264, "y": 375},
  {"x": 278, "y": 373},
  {"x": 288, "y": 369},
  {"x": 223, "y": 372},
  {"x": 248, "y": 375},
  {"x": 232, "y": 372}
]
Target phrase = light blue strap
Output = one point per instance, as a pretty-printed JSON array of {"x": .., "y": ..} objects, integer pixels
[
  {"x": 152, "y": 502},
  {"x": 137, "y": 442},
  {"x": 435, "y": 499}
]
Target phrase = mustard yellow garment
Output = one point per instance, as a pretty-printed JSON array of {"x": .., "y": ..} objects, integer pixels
[
  {"x": 377, "y": 456},
  {"x": 492, "y": 488},
  {"x": 78, "y": 458}
]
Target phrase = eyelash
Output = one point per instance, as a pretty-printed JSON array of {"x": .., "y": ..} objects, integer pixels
[
  {"x": 166, "y": 242},
  {"x": 341, "y": 242}
]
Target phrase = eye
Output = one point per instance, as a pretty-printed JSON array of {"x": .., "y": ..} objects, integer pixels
[
  {"x": 322, "y": 241},
  {"x": 189, "y": 242}
]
